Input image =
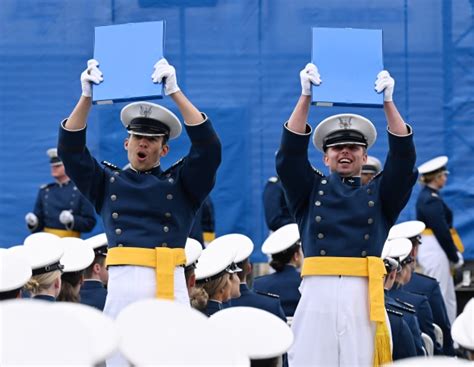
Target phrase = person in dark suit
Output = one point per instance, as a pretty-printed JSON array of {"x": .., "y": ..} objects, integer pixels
[
  {"x": 284, "y": 246},
  {"x": 274, "y": 205},
  {"x": 60, "y": 208},
  {"x": 442, "y": 246},
  {"x": 93, "y": 290},
  {"x": 423, "y": 284}
]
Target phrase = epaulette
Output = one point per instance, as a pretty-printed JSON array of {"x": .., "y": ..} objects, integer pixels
[
  {"x": 318, "y": 172},
  {"x": 389, "y": 310},
  {"x": 426, "y": 276},
  {"x": 273, "y": 179},
  {"x": 268, "y": 294},
  {"x": 174, "y": 165},
  {"x": 110, "y": 165},
  {"x": 402, "y": 307},
  {"x": 46, "y": 185},
  {"x": 405, "y": 303}
]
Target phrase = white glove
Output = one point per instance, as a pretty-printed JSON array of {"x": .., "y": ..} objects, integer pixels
[
  {"x": 386, "y": 84},
  {"x": 31, "y": 219},
  {"x": 308, "y": 75},
  {"x": 166, "y": 73},
  {"x": 66, "y": 217},
  {"x": 91, "y": 75},
  {"x": 460, "y": 262}
]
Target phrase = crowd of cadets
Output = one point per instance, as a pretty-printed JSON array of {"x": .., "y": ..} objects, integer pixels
[{"x": 316, "y": 280}]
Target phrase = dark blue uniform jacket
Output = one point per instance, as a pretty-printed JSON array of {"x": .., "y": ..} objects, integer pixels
[
  {"x": 274, "y": 204},
  {"x": 93, "y": 293}
]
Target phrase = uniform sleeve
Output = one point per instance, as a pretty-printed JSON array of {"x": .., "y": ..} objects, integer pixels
[
  {"x": 433, "y": 213},
  {"x": 399, "y": 175},
  {"x": 198, "y": 173},
  {"x": 426, "y": 323},
  {"x": 85, "y": 220},
  {"x": 407, "y": 342},
  {"x": 208, "y": 217},
  {"x": 440, "y": 317},
  {"x": 38, "y": 211},
  {"x": 294, "y": 169},
  {"x": 80, "y": 166},
  {"x": 275, "y": 207}
]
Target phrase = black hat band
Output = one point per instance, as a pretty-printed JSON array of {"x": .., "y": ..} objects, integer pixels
[
  {"x": 344, "y": 137},
  {"x": 369, "y": 168},
  {"x": 48, "y": 268},
  {"x": 148, "y": 126}
]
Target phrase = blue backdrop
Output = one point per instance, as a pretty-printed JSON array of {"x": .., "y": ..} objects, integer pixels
[{"x": 238, "y": 61}]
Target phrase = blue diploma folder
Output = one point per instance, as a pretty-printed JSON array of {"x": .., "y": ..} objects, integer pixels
[
  {"x": 126, "y": 54},
  {"x": 348, "y": 61}
]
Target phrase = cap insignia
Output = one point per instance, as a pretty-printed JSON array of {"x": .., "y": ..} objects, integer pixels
[
  {"x": 345, "y": 122},
  {"x": 145, "y": 111}
]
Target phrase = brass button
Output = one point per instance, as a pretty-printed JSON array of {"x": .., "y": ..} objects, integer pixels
[
  {"x": 168, "y": 175},
  {"x": 119, "y": 245},
  {"x": 171, "y": 180},
  {"x": 169, "y": 197},
  {"x": 115, "y": 215},
  {"x": 113, "y": 197},
  {"x": 320, "y": 236},
  {"x": 118, "y": 231},
  {"x": 73, "y": 195},
  {"x": 46, "y": 196},
  {"x": 112, "y": 179},
  {"x": 369, "y": 191},
  {"x": 324, "y": 182},
  {"x": 116, "y": 173},
  {"x": 371, "y": 203},
  {"x": 47, "y": 190},
  {"x": 75, "y": 188},
  {"x": 166, "y": 229},
  {"x": 164, "y": 244},
  {"x": 366, "y": 236},
  {"x": 71, "y": 203},
  {"x": 317, "y": 203},
  {"x": 321, "y": 192},
  {"x": 370, "y": 220},
  {"x": 363, "y": 253},
  {"x": 322, "y": 252},
  {"x": 318, "y": 218},
  {"x": 168, "y": 215}
]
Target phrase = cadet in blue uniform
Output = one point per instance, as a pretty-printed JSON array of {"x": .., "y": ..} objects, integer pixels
[
  {"x": 423, "y": 284},
  {"x": 274, "y": 205},
  {"x": 439, "y": 252},
  {"x": 147, "y": 211},
  {"x": 284, "y": 246},
  {"x": 93, "y": 292},
  {"x": 370, "y": 169},
  {"x": 343, "y": 227},
  {"x": 393, "y": 250},
  {"x": 60, "y": 208}
]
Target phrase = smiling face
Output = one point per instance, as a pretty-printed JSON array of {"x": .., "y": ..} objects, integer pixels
[
  {"x": 144, "y": 152},
  {"x": 345, "y": 159}
]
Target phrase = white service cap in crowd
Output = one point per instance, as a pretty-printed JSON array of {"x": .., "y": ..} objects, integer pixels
[
  {"x": 398, "y": 248},
  {"x": 54, "y": 159},
  {"x": 282, "y": 239},
  {"x": 266, "y": 335},
  {"x": 40, "y": 334},
  {"x": 407, "y": 229},
  {"x": 15, "y": 269},
  {"x": 78, "y": 255},
  {"x": 214, "y": 262},
  {"x": 435, "y": 164},
  {"x": 163, "y": 333},
  {"x": 193, "y": 250},
  {"x": 44, "y": 252},
  {"x": 243, "y": 246},
  {"x": 346, "y": 128},
  {"x": 99, "y": 244},
  {"x": 431, "y": 361},
  {"x": 373, "y": 165},
  {"x": 462, "y": 329},
  {"x": 150, "y": 119}
]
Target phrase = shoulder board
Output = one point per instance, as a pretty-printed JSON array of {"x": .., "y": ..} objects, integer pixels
[
  {"x": 110, "y": 165},
  {"x": 273, "y": 179},
  {"x": 405, "y": 303},
  {"x": 402, "y": 307},
  {"x": 268, "y": 294},
  {"x": 318, "y": 172},
  {"x": 426, "y": 276},
  {"x": 46, "y": 185},
  {"x": 174, "y": 165},
  {"x": 389, "y": 310},
  {"x": 435, "y": 195}
]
